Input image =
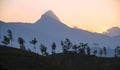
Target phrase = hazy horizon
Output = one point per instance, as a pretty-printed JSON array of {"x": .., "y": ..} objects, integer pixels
[{"x": 92, "y": 15}]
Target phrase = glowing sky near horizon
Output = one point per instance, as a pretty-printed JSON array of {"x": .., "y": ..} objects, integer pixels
[{"x": 91, "y": 15}]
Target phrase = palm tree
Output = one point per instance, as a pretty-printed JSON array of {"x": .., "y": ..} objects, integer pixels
[
  {"x": 43, "y": 49},
  {"x": 6, "y": 40},
  {"x": 104, "y": 51},
  {"x": 21, "y": 43},
  {"x": 34, "y": 41},
  {"x": 75, "y": 48},
  {"x": 100, "y": 52},
  {"x": 82, "y": 48},
  {"x": 53, "y": 46},
  {"x": 95, "y": 52},
  {"x": 117, "y": 51},
  {"x": 0, "y": 39},
  {"x": 88, "y": 51},
  {"x": 10, "y": 36},
  {"x": 66, "y": 45},
  {"x": 63, "y": 47}
]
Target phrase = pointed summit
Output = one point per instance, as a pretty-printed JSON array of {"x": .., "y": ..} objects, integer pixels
[
  {"x": 51, "y": 14},
  {"x": 50, "y": 21},
  {"x": 48, "y": 16}
]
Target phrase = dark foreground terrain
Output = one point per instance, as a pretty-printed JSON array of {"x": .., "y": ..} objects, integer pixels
[{"x": 15, "y": 59}]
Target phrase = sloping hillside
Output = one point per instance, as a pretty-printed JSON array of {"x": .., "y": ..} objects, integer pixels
[{"x": 15, "y": 59}]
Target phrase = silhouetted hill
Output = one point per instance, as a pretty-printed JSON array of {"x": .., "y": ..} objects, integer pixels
[{"x": 15, "y": 59}]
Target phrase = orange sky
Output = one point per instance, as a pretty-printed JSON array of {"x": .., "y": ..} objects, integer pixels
[{"x": 92, "y": 15}]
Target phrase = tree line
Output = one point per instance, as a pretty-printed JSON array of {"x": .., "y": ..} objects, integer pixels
[{"x": 67, "y": 46}]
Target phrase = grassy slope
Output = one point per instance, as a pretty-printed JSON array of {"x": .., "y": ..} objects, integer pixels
[{"x": 15, "y": 59}]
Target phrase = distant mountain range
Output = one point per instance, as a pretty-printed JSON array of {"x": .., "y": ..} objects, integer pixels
[
  {"x": 49, "y": 29},
  {"x": 114, "y": 31}
]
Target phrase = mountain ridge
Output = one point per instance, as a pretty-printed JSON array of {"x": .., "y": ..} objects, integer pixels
[
  {"x": 49, "y": 14},
  {"x": 48, "y": 30}
]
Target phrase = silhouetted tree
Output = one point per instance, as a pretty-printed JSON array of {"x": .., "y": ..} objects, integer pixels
[
  {"x": 88, "y": 51},
  {"x": 82, "y": 48},
  {"x": 6, "y": 40},
  {"x": 117, "y": 51},
  {"x": 104, "y": 50},
  {"x": 95, "y": 52},
  {"x": 43, "y": 49},
  {"x": 34, "y": 41},
  {"x": 66, "y": 45},
  {"x": 100, "y": 52},
  {"x": 82, "y": 51},
  {"x": 53, "y": 46},
  {"x": 62, "y": 44},
  {"x": 10, "y": 36},
  {"x": 75, "y": 48},
  {"x": 29, "y": 50},
  {"x": 0, "y": 39},
  {"x": 21, "y": 43}
]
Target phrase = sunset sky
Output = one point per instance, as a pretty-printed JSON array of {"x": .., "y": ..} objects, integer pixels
[{"x": 91, "y": 15}]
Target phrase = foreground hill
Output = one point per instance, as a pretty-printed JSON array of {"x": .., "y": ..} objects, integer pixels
[{"x": 15, "y": 59}]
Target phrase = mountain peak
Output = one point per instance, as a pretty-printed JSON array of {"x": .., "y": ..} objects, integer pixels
[{"x": 51, "y": 14}]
